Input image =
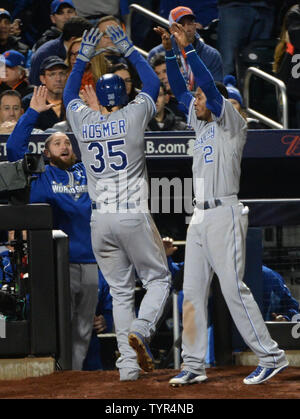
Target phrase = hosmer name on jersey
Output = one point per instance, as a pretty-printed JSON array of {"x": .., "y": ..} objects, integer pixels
[{"x": 106, "y": 129}]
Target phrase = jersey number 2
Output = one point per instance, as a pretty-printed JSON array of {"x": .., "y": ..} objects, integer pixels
[
  {"x": 112, "y": 151},
  {"x": 208, "y": 150}
]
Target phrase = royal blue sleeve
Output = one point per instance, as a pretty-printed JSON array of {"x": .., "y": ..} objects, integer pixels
[
  {"x": 176, "y": 80},
  {"x": 72, "y": 87},
  {"x": 149, "y": 79},
  {"x": 17, "y": 143},
  {"x": 288, "y": 304},
  {"x": 205, "y": 81},
  {"x": 104, "y": 305}
]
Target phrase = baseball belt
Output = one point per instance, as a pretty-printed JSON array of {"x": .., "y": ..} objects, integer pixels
[
  {"x": 216, "y": 202},
  {"x": 123, "y": 205}
]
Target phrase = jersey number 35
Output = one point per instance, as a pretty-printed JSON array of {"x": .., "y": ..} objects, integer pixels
[{"x": 112, "y": 150}]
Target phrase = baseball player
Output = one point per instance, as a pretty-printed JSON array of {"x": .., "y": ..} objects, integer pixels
[
  {"x": 216, "y": 235},
  {"x": 124, "y": 236},
  {"x": 63, "y": 185}
]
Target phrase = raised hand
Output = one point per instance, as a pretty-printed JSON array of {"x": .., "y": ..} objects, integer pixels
[
  {"x": 169, "y": 246},
  {"x": 39, "y": 99},
  {"x": 120, "y": 40},
  {"x": 88, "y": 44},
  {"x": 179, "y": 34},
  {"x": 90, "y": 97},
  {"x": 165, "y": 37}
]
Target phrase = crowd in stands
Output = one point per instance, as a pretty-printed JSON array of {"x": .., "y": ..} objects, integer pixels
[
  {"x": 39, "y": 45},
  {"x": 30, "y": 36}
]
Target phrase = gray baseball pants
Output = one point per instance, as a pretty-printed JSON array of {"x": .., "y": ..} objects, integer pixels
[
  {"x": 127, "y": 246},
  {"x": 216, "y": 243},
  {"x": 84, "y": 297}
]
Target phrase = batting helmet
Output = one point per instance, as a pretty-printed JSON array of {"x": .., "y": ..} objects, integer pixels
[{"x": 111, "y": 90}]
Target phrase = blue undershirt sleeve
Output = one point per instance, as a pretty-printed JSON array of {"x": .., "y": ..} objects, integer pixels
[
  {"x": 17, "y": 143},
  {"x": 149, "y": 79},
  {"x": 72, "y": 88},
  {"x": 176, "y": 80},
  {"x": 205, "y": 81}
]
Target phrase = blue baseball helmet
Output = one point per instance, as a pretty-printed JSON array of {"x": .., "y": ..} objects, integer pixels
[{"x": 111, "y": 90}]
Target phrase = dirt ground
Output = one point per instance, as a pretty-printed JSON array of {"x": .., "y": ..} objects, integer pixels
[{"x": 222, "y": 383}]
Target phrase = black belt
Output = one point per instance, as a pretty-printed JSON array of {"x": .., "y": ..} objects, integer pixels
[
  {"x": 124, "y": 205},
  {"x": 208, "y": 204},
  {"x": 217, "y": 203}
]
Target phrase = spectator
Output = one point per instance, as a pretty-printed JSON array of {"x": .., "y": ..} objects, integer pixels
[
  {"x": 73, "y": 29},
  {"x": 70, "y": 61},
  {"x": 95, "y": 9},
  {"x": 88, "y": 95},
  {"x": 235, "y": 97},
  {"x": 7, "y": 41},
  {"x": 158, "y": 63},
  {"x": 10, "y": 111},
  {"x": 105, "y": 44},
  {"x": 165, "y": 119},
  {"x": 123, "y": 71},
  {"x": 33, "y": 17},
  {"x": 286, "y": 65},
  {"x": 53, "y": 74},
  {"x": 63, "y": 185},
  {"x": 241, "y": 22},
  {"x": 10, "y": 106},
  {"x": 61, "y": 12},
  {"x": 205, "y": 10},
  {"x": 210, "y": 56},
  {"x": 278, "y": 303},
  {"x": 15, "y": 78}
]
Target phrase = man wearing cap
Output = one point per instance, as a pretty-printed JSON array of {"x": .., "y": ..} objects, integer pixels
[
  {"x": 8, "y": 42},
  {"x": 61, "y": 12},
  {"x": 53, "y": 74},
  {"x": 72, "y": 29},
  {"x": 209, "y": 55},
  {"x": 15, "y": 74}
]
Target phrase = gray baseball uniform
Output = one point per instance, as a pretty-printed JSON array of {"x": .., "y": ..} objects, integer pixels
[
  {"x": 124, "y": 237},
  {"x": 216, "y": 241}
]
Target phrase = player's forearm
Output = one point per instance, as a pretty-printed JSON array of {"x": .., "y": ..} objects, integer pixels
[
  {"x": 17, "y": 143},
  {"x": 148, "y": 77},
  {"x": 175, "y": 78},
  {"x": 72, "y": 88},
  {"x": 204, "y": 80}
]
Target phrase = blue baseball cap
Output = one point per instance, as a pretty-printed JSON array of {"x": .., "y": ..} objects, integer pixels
[
  {"x": 233, "y": 91},
  {"x": 55, "y": 5},
  {"x": 14, "y": 58},
  {"x": 5, "y": 13}
]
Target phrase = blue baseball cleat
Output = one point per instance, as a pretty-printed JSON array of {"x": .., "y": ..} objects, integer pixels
[
  {"x": 144, "y": 356},
  {"x": 187, "y": 377},
  {"x": 262, "y": 374}
]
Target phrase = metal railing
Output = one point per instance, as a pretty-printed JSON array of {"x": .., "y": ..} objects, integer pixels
[
  {"x": 279, "y": 84},
  {"x": 153, "y": 16}
]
